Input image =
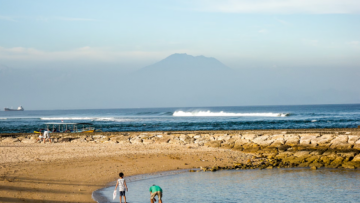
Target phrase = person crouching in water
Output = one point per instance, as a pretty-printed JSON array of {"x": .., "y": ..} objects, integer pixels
[
  {"x": 155, "y": 190},
  {"x": 122, "y": 186}
]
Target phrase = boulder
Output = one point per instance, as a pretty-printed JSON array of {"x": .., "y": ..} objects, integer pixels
[
  {"x": 183, "y": 137},
  {"x": 216, "y": 143},
  {"x": 283, "y": 155},
  {"x": 316, "y": 164},
  {"x": 201, "y": 141},
  {"x": 336, "y": 163},
  {"x": 346, "y": 154},
  {"x": 340, "y": 142},
  {"x": 136, "y": 140},
  {"x": 263, "y": 141},
  {"x": 356, "y": 158},
  {"x": 120, "y": 139},
  {"x": 250, "y": 147},
  {"x": 239, "y": 143},
  {"x": 224, "y": 137},
  {"x": 302, "y": 153},
  {"x": 228, "y": 145},
  {"x": 305, "y": 140},
  {"x": 357, "y": 145},
  {"x": 291, "y": 140},
  {"x": 323, "y": 140},
  {"x": 163, "y": 140},
  {"x": 249, "y": 136},
  {"x": 353, "y": 139}
]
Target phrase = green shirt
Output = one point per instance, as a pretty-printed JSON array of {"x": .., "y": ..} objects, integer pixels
[{"x": 155, "y": 188}]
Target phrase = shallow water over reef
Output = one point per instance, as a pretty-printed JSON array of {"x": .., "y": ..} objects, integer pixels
[{"x": 276, "y": 185}]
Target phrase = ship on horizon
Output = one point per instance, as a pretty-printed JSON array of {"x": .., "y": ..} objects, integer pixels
[{"x": 20, "y": 108}]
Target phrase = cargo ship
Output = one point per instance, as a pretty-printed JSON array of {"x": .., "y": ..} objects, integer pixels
[{"x": 20, "y": 108}]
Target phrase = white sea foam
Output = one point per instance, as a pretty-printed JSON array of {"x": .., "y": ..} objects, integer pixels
[
  {"x": 221, "y": 113},
  {"x": 313, "y": 121},
  {"x": 68, "y": 118},
  {"x": 3, "y": 118},
  {"x": 86, "y": 118}
]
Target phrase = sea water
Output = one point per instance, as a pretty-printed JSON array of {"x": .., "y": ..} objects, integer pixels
[
  {"x": 194, "y": 118},
  {"x": 276, "y": 185}
]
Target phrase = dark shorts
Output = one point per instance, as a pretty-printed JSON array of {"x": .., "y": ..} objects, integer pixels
[{"x": 122, "y": 193}]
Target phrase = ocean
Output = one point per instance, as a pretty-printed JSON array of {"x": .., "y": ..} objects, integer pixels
[
  {"x": 276, "y": 185},
  {"x": 189, "y": 118}
]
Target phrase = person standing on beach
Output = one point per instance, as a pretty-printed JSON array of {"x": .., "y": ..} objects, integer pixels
[
  {"x": 47, "y": 135},
  {"x": 155, "y": 190},
  {"x": 122, "y": 186}
]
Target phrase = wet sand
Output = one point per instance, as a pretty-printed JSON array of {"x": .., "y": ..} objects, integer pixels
[{"x": 70, "y": 172}]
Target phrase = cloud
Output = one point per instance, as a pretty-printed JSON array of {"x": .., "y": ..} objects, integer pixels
[
  {"x": 7, "y": 18},
  {"x": 355, "y": 44},
  {"x": 280, "y": 6},
  {"x": 81, "y": 54},
  {"x": 263, "y": 31},
  {"x": 75, "y": 19},
  {"x": 282, "y": 21},
  {"x": 310, "y": 42}
]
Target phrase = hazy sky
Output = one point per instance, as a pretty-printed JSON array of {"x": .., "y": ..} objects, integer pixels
[
  {"x": 135, "y": 33},
  {"x": 283, "y": 35}
]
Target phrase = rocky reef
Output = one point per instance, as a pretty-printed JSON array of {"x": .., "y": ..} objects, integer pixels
[{"x": 315, "y": 148}]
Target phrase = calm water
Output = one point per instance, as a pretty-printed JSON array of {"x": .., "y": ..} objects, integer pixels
[
  {"x": 202, "y": 118},
  {"x": 276, "y": 185}
]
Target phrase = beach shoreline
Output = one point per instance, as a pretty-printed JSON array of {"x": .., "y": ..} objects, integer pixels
[{"x": 78, "y": 164}]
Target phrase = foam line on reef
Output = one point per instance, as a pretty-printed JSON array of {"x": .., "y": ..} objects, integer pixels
[{"x": 222, "y": 113}]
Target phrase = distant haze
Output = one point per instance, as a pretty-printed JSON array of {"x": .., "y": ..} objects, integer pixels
[
  {"x": 176, "y": 81},
  {"x": 121, "y": 54}
]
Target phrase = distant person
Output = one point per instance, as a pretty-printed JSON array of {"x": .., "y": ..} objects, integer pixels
[
  {"x": 155, "y": 190},
  {"x": 40, "y": 137},
  {"x": 47, "y": 135},
  {"x": 122, "y": 186}
]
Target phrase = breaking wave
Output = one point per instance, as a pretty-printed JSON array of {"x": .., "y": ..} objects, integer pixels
[
  {"x": 68, "y": 118},
  {"x": 221, "y": 113},
  {"x": 111, "y": 119}
]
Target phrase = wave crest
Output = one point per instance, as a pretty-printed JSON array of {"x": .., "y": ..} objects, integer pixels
[{"x": 221, "y": 113}]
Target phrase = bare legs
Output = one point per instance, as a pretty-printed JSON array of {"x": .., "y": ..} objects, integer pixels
[{"x": 121, "y": 199}]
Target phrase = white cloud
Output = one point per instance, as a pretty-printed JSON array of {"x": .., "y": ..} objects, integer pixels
[
  {"x": 311, "y": 42},
  {"x": 81, "y": 54},
  {"x": 7, "y": 18},
  {"x": 280, "y": 6},
  {"x": 75, "y": 19},
  {"x": 283, "y": 21},
  {"x": 263, "y": 31}
]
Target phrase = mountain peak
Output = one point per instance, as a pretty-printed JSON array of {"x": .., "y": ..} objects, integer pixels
[{"x": 182, "y": 62}]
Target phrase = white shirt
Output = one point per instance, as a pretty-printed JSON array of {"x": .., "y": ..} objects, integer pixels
[{"x": 121, "y": 184}]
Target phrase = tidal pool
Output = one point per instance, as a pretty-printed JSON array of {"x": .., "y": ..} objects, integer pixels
[{"x": 232, "y": 186}]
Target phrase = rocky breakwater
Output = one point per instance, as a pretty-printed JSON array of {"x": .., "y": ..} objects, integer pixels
[{"x": 331, "y": 148}]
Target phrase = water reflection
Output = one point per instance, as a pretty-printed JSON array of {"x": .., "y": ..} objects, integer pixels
[{"x": 276, "y": 185}]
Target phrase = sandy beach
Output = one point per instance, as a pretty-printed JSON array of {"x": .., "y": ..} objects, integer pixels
[{"x": 70, "y": 172}]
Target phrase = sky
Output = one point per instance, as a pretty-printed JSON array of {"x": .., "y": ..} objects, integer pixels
[{"x": 290, "y": 36}]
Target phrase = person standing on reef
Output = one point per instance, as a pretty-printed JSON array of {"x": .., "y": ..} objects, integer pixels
[
  {"x": 155, "y": 190},
  {"x": 122, "y": 186}
]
